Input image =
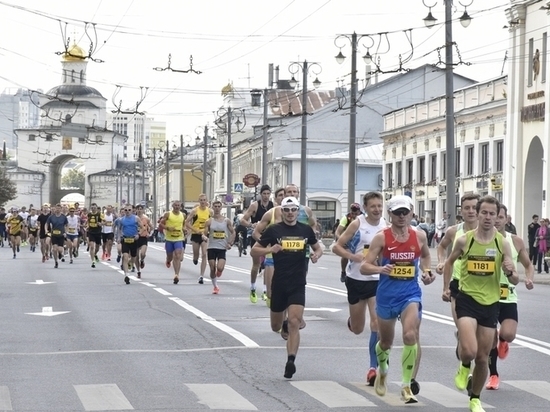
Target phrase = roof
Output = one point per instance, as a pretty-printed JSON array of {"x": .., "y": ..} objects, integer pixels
[
  {"x": 371, "y": 154},
  {"x": 74, "y": 90}
]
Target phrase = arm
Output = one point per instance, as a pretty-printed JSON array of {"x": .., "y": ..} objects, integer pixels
[
  {"x": 523, "y": 257},
  {"x": 262, "y": 224},
  {"x": 251, "y": 211},
  {"x": 442, "y": 248},
  {"x": 425, "y": 258},
  {"x": 340, "y": 247},
  {"x": 508, "y": 264},
  {"x": 369, "y": 266},
  {"x": 448, "y": 268},
  {"x": 206, "y": 230},
  {"x": 267, "y": 244},
  {"x": 189, "y": 221},
  {"x": 311, "y": 218},
  {"x": 232, "y": 233},
  {"x": 317, "y": 252},
  {"x": 339, "y": 230}
]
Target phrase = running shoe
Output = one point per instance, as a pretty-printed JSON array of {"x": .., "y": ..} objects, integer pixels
[
  {"x": 290, "y": 369},
  {"x": 93, "y": 264},
  {"x": 71, "y": 261},
  {"x": 139, "y": 275},
  {"x": 502, "y": 349},
  {"x": 176, "y": 280},
  {"x": 264, "y": 295},
  {"x": 371, "y": 376},
  {"x": 493, "y": 383},
  {"x": 415, "y": 387},
  {"x": 461, "y": 377},
  {"x": 127, "y": 280},
  {"x": 407, "y": 395},
  {"x": 63, "y": 259},
  {"x": 253, "y": 296},
  {"x": 142, "y": 264},
  {"x": 18, "y": 249},
  {"x": 118, "y": 259},
  {"x": 56, "y": 265},
  {"x": 216, "y": 290},
  {"x": 201, "y": 280},
  {"x": 380, "y": 383},
  {"x": 475, "y": 405},
  {"x": 268, "y": 302},
  {"x": 14, "y": 256}
]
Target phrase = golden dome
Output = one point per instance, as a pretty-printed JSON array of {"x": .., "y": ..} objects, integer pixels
[
  {"x": 74, "y": 54},
  {"x": 227, "y": 89}
]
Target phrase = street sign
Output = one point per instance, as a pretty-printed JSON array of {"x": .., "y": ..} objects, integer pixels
[
  {"x": 251, "y": 180},
  {"x": 238, "y": 187}
]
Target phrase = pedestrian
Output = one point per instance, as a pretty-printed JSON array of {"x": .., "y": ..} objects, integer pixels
[
  {"x": 288, "y": 241},
  {"x": 531, "y": 237},
  {"x": 431, "y": 231},
  {"x": 509, "y": 227},
  {"x": 542, "y": 239}
]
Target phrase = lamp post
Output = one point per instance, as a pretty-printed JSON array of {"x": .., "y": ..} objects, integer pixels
[
  {"x": 294, "y": 68},
  {"x": 354, "y": 40},
  {"x": 450, "y": 177},
  {"x": 152, "y": 164},
  {"x": 205, "y": 143}
]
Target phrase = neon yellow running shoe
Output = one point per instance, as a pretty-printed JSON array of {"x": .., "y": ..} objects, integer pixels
[{"x": 475, "y": 405}]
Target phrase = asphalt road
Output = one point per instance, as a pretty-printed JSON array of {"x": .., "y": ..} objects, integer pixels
[{"x": 80, "y": 339}]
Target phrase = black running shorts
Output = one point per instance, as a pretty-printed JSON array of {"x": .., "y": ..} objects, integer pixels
[{"x": 485, "y": 315}]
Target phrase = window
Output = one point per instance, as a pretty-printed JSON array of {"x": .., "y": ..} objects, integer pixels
[
  {"x": 399, "y": 171},
  {"x": 433, "y": 167},
  {"x": 444, "y": 165},
  {"x": 457, "y": 162},
  {"x": 484, "y": 158},
  {"x": 420, "y": 210},
  {"x": 470, "y": 161},
  {"x": 530, "y": 63},
  {"x": 432, "y": 207},
  {"x": 499, "y": 156},
  {"x": 422, "y": 170},
  {"x": 325, "y": 212},
  {"x": 389, "y": 174},
  {"x": 410, "y": 172}
]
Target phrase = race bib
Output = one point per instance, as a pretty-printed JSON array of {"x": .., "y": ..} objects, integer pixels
[
  {"x": 365, "y": 250},
  {"x": 108, "y": 223},
  {"x": 201, "y": 226},
  {"x": 72, "y": 230},
  {"x": 481, "y": 265},
  {"x": 93, "y": 224},
  {"x": 218, "y": 235},
  {"x": 403, "y": 270},
  {"x": 176, "y": 232},
  {"x": 293, "y": 245},
  {"x": 504, "y": 292},
  {"x": 129, "y": 240},
  {"x": 56, "y": 232}
]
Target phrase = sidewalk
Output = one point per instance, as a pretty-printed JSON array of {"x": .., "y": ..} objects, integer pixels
[{"x": 540, "y": 278}]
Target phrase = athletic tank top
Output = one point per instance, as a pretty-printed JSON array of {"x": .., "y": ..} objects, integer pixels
[
  {"x": 72, "y": 225},
  {"x": 457, "y": 266},
  {"x": 360, "y": 243},
  {"x": 481, "y": 269},
  {"x": 93, "y": 220},
  {"x": 33, "y": 222},
  {"x": 200, "y": 218},
  {"x": 508, "y": 292},
  {"x": 174, "y": 221},
  {"x": 260, "y": 211},
  {"x": 218, "y": 234},
  {"x": 108, "y": 221}
]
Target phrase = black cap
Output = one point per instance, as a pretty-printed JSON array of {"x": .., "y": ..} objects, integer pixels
[{"x": 264, "y": 188}]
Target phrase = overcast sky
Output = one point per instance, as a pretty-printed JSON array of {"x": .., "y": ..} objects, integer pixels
[{"x": 231, "y": 41}]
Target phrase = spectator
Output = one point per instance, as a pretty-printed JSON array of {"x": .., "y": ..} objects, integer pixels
[
  {"x": 442, "y": 227},
  {"x": 424, "y": 226},
  {"x": 542, "y": 240},
  {"x": 431, "y": 231},
  {"x": 509, "y": 226},
  {"x": 531, "y": 236}
]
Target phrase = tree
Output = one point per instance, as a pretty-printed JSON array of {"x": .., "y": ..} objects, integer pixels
[
  {"x": 8, "y": 189},
  {"x": 73, "y": 179}
]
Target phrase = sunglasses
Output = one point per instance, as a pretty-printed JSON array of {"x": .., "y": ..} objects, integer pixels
[
  {"x": 128, "y": 210},
  {"x": 290, "y": 209},
  {"x": 401, "y": 212}
]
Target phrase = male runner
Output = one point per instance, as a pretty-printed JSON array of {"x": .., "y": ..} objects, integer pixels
[
  {"x": 250, "y": 219},
  {"x": 24, "y": 230},
  {"x": 404, "y": 254},
  {"x": 93, "y": 228},
  {"x": 56, "y": 225},
  {"x": 3, "y": 229},
  {"x": 144, "y": 233},
  {"x": 107, "y": 235},
  {"x": 73, "y": 230},
  {"x": 174, "y": 232},
  {"x": 129, "y": 228},
  {"x": 352, "y": 246},
  {"x": 45, "y": 241},
  {"x": 484, "y": 251},
  {"x": 32, "y": 223},
  {"x": 220, "y": 235},
  {"x": 15, "y": 225},
  {"x": 508, "y": 308},
  {"x": 195, "y": 225},
  {"x": 354, "y": 211},
  {"x": 288, "y": 241}
]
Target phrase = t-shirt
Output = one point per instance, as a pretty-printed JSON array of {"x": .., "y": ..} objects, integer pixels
[
  {"x": 290, "y": 263},
  {"x": 57, "y": 224},
  {"x": 93, "y": 220},
  {"x": 15, "y": 222},
  {"x": 42, "y": 219},
  {"x": 3, "y": 219}
]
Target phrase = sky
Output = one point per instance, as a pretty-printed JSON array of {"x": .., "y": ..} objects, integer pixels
[{"x": 231, "y": 42}]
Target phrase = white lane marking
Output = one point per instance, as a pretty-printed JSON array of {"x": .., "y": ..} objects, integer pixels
[
  {"x": 447, "y": 397},
  {"x": 323, "y": 309},
  {"x": 148, "y": 284},
  {"x": 38, "y": 282},
  {"x": 5, "y": 400},
  {"x": 163, "y": 292},
  {"x": 245, "y": 340},
  {"x": 392, "y": 397},
  {"x": 537, "y": 388},
  {"x": 220, "y": 396},
  {"x": 332, "y": 394},
  {"x": 47, "y": 311},
  {"x": 104, "y": 397}
]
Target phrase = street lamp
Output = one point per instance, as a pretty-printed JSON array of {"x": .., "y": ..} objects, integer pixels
[
  {"x": 294, "y": 68},
  {"x": 231, "y": 115},
  {"x": 367, "y": 58},
  {"x": 449, "y": 97},
  {"x": 205, "y": 139}
]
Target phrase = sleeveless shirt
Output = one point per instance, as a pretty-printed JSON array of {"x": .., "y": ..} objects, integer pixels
[
  {"x": 218, "y": 234},
  {"x": 174, "y": 221},
  {"x": 260, "y": 211},
  {"x": 360, "y": 242}
]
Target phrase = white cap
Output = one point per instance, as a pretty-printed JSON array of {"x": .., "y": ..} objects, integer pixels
[
  {"x": 290, "y": 201},
  {"x": 399, "y": 202}
]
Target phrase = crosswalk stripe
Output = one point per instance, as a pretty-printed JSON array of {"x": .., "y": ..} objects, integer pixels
[
  {"x": 332, "y": 394},
  {"x": 220, "y": 396},
  {"x": 392, "y": 397},
  {"x": 102, "y": 397},
  {"x": 445, "y": 396},
  {"x": 5, "y": 401},
  {"x": 537, "y": 388}
]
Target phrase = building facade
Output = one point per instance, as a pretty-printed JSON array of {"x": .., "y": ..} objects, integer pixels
[{"x": 20, "y": 109}]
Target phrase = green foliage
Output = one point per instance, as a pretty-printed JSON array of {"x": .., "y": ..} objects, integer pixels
[
  {"x": 73, "y": 179},
  {"x": 8, "y": 189}
]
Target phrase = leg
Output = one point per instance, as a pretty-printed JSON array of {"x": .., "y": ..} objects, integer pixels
[
  {"x": 410, "y": 324},
  {"x": 204, "y": 258},
  {"x": 196, "y": 248},
  {"x": 177, "y": 257},
  {"x": 295, "y": 315},
  {"x": 357, "y": 316},
  {"x": 485, "y": 337}
]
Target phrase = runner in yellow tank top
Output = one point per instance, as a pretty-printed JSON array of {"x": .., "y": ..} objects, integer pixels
[
  {"x": 173, "y": 223},
  {"x": 195, "y": 223}
]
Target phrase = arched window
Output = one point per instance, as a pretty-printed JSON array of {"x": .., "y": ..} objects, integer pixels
[
  {"x": 64, "y": 75},
  {"x": 81, "y": 76},
  {"x": 72, "y": 76}
]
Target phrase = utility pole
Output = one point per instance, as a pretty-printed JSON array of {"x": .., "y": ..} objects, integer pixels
[
  {"x": 204, "y": 159},
  {"x": 182, "y": 175},
  {"x": 167, "y": 166},
  {"x": 449, "y": 116},
  {"x": 264, "y": 141},
  {"x": 155, "y": 186},
  {"x": 352, "y": 122},
  {"x": 303, "y": 161},
  {"x": 229, "y": 171}
]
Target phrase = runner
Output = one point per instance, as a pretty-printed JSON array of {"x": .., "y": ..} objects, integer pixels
[
  {"x": 484, "y": 251},
  {"x": 144, "y": 233},
  {"x": 45, "y": 240},
  {"x": 220, "y": 235},
  {"x": 355, "y": 210},
  {"x": 269, "y": 219},
  {"x": 195, "y": 225},
  {"x": 174, "y": 244},
  {"x": 3, "y": 229},
  {"x": 24, "y": 230},
  {"x": 129, "y": 225},
  {"x": 56, "y": 225},
  {"x": 404, "y": 254},
  {"x": 73, "y": 230},
  {"x": 107, "y": 235},
  {"x": 15, "y": 225},
  {"x": 508, "y": 308},
  {"x": 251, "y": 217},
  {"x": 32, "y": 223},
  {"x": 288, "y": 241},
  {"x": 352, "y": 246},
  {"x": 93, "y": 229}
]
